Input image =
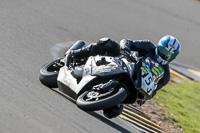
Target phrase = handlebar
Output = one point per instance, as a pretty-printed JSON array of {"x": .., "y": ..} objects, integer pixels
[{"x": 128, "y": 55}]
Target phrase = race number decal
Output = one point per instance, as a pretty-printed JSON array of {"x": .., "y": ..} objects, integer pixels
[
  {"x": 151, "y": 73},
  {"x": 148, "y": 82}
]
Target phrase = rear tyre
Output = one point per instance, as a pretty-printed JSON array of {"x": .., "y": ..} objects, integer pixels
[
  {"x": 89, "y": 102},
  {"x": 49, "y": 73}
]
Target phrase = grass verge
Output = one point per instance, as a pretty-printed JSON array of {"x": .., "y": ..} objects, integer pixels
[{"x": 182, "y": 101}]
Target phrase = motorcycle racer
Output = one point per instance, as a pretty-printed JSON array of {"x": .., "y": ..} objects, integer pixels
[{"x": 163, "y": 53}]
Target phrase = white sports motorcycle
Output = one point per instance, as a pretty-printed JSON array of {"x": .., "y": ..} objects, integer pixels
[{"x": 100, "y": 82}]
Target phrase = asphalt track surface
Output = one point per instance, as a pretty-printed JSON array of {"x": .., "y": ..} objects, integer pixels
[{"x": 29, "y": 29}]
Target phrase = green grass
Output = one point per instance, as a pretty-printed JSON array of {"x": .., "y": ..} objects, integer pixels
[{"x": 182, "y": 101}]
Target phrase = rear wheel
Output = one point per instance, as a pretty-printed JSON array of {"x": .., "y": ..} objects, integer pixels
[
  {"x": 49, "y": 73},
  {"x": 97, "y": 100}
]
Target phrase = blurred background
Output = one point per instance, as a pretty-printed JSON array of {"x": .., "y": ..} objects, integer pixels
[{"x": 29, "y": 29}]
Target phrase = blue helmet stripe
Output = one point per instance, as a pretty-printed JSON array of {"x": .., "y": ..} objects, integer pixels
[
  {"x": 174, "y": 42},
  {"x": 165, "y": 41},
  {"x": 168, "y": 39},
  {"x": 178, "y": 49}
]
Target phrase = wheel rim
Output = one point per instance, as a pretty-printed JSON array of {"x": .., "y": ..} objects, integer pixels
[
  {"x": 55, "y": 66},
  {"x": 95, "y": 95}
]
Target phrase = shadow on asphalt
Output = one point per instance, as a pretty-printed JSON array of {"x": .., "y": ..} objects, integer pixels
[
  {"x": 108, "y": 122},
  {"x": 94, "y": 114}
]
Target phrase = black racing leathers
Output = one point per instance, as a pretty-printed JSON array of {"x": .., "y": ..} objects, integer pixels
[
  {"x": 111, "y": 48},
  {"x": 103, "y": 46}
]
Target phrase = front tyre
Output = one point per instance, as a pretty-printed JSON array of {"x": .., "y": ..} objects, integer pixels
[
  {"x": 49, "y": 73},
  {"x": 93, "y": 100}
]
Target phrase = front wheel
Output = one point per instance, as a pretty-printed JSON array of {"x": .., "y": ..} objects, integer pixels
[
  {"x": 93, "y": 100},
  {"x": 49, "y": 73}
]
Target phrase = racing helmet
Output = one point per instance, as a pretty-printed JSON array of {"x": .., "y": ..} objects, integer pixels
[{"x": 167, "y": 49}]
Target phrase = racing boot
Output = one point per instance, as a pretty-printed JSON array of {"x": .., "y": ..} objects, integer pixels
[
  {"x": 83, "y": 52},
  {"x": 113, "y": 111}
]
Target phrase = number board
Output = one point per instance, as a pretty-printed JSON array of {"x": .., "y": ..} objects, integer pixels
[{"x": 151, "y": 73}]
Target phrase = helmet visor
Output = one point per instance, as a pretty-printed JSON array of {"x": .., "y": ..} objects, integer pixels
[{"x": 165, "y": 54}]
